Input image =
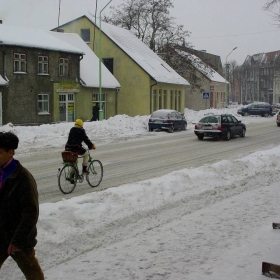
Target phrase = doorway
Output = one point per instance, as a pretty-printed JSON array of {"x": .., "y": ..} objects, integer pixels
[{"x": 66, "y": 107}]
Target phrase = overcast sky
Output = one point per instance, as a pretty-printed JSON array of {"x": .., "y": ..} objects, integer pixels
[{"x": 216, "y": 26}]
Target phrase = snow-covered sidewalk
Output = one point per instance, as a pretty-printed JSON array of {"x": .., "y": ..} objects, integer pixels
[{"x": 212, "y": 222}]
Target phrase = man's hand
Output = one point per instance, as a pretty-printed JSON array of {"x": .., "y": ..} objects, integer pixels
[
  {"x": 12, "y": 249},
  {"x": 93, "y": 147}
]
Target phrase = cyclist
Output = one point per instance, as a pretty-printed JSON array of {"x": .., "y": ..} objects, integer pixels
[{"x": 77, "y": 135}]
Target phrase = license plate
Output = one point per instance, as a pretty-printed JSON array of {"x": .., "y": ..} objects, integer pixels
[{"x": 207, "y": 127}]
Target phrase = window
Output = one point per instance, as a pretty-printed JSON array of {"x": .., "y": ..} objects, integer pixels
[
  {"x": 109, "y": 63},
  {"x": 43, "y": 64},
  {"x": 211, "y": 119},
  {"x": 165, "y": 99},
  {"x": 160, "y": 99},
  {"x": 63, "y": 67},
  {"x": 85, "y": 34},
  {"x": 19, "y": 62},
  {"x": 43, "y": 103},
  {"x": 224, "y": 119},
  {"x": 154, "y": 100}
]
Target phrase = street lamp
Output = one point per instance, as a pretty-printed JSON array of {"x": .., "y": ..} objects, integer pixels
[
  {"x": 100, "y": 74},
  {"x": 227, "y": 76}
]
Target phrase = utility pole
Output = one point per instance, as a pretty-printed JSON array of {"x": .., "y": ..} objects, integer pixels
[{"x": 227, "y": 76}]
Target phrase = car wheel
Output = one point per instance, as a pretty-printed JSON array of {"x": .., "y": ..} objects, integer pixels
[
  {"x": 185, "y": 126},
  {"x": 243, "y": 133},
  {"x": 151, "y": 129},
  {"x": 200, "y": 136},
  {"x": 246, "y": 114},
  {"x": 278, "y": 124},
  {"x": 171, "y": 129},
  {"x": 227, "y": 136}
]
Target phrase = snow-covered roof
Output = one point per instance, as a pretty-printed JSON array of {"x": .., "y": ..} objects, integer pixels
[
  {"x": 3, "y": 82},
  {"x": 202, "y": 67},
  {"x": 33, "y": 38},
  {"x": 89, "y": 65},
  {"x": 149, "y": 61}
]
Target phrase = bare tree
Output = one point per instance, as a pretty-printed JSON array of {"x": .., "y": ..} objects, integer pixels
[
  {"x": 273, "y": 6},
  {"x": 150, "y": 21}
]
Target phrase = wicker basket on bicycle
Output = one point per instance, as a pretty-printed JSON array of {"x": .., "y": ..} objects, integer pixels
[{"x": 68, "y": 156}]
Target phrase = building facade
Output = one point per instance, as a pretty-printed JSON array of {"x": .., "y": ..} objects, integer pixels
[
  {"x": 147, "y": 82},
  {"x": 259, "y": 78},
  {"x": 31, "y": 75}
]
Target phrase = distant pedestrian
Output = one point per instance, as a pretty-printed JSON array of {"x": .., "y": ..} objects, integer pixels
[
  {"x": 19, "y": 210},
  {"x": 95, "y": 112}
]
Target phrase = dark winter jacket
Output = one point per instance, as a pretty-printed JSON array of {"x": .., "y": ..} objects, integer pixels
[
  {"x": 19, "y": 210},
  {"x": 77, "y": 135}
]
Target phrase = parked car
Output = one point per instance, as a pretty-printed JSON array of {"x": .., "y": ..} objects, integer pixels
[
  {"x": 224, "y": 126},
  {"x": 169, "y": 120},
  {"x": 278, "y": 118},
  {"x": 276, "y": 106},
  {"x": 261, "y": 109}
]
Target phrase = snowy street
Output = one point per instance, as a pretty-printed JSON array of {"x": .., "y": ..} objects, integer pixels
[{"x": 206, "y": 222}]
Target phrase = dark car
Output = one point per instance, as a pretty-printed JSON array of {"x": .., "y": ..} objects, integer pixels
[
  {"x": 224, "y": 126},
  {"x": 169, "y": 120},
  {"x": 259, "y": 109}
]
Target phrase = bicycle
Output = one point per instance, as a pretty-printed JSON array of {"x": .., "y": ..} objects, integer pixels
[{"x": 69, "y": 175}]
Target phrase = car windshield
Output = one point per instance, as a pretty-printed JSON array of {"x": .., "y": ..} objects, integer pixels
[
  {"x": 160, "y": 114},
  {"x": 210, "y": 119}
]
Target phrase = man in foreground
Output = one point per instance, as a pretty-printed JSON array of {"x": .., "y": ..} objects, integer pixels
[{"x": 19, "y": 210}]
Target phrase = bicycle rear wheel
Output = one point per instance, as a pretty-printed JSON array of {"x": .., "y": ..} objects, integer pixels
[
  {"x": 67, "y": 178},
  {"x": 95, "y": 175}
]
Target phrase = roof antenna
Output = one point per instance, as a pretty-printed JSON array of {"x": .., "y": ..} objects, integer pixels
[{"x": 59, "y": 12}]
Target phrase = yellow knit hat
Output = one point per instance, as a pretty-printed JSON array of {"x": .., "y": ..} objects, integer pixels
[{"x": 79, "y": 122}]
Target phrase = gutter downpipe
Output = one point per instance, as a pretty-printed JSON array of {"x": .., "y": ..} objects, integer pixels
[
  {"x": 79, "y": 71},
  {"x": 151, "y": 94},
  {"x": 100, "y": 74}
]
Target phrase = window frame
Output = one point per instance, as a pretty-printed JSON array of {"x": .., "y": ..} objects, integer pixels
[
  {"x": 44, "y": 64},
  {"x": 85, "y": 35},
  {"x": 63, "y": 68},
  {"x": 109, "y": 63},
  {"x": 43, "y": 101},
  {"x": 19, "y": 62}
]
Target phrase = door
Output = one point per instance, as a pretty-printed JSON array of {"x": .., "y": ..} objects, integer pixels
[
  {"x": 253, "y": 109},
  {"x": 236, "y": 124},
  {"x": 66, "y": 107},
  {"x": 174, "y": 120},
  {"x": 226, "y": 125}
]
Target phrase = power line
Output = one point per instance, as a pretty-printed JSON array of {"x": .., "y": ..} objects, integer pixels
[{"x": 234, "y": 35}]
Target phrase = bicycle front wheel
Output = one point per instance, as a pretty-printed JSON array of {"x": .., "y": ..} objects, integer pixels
[
  {"x": 95, "y": 175},
  {"x": 67, "y": 178}
]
